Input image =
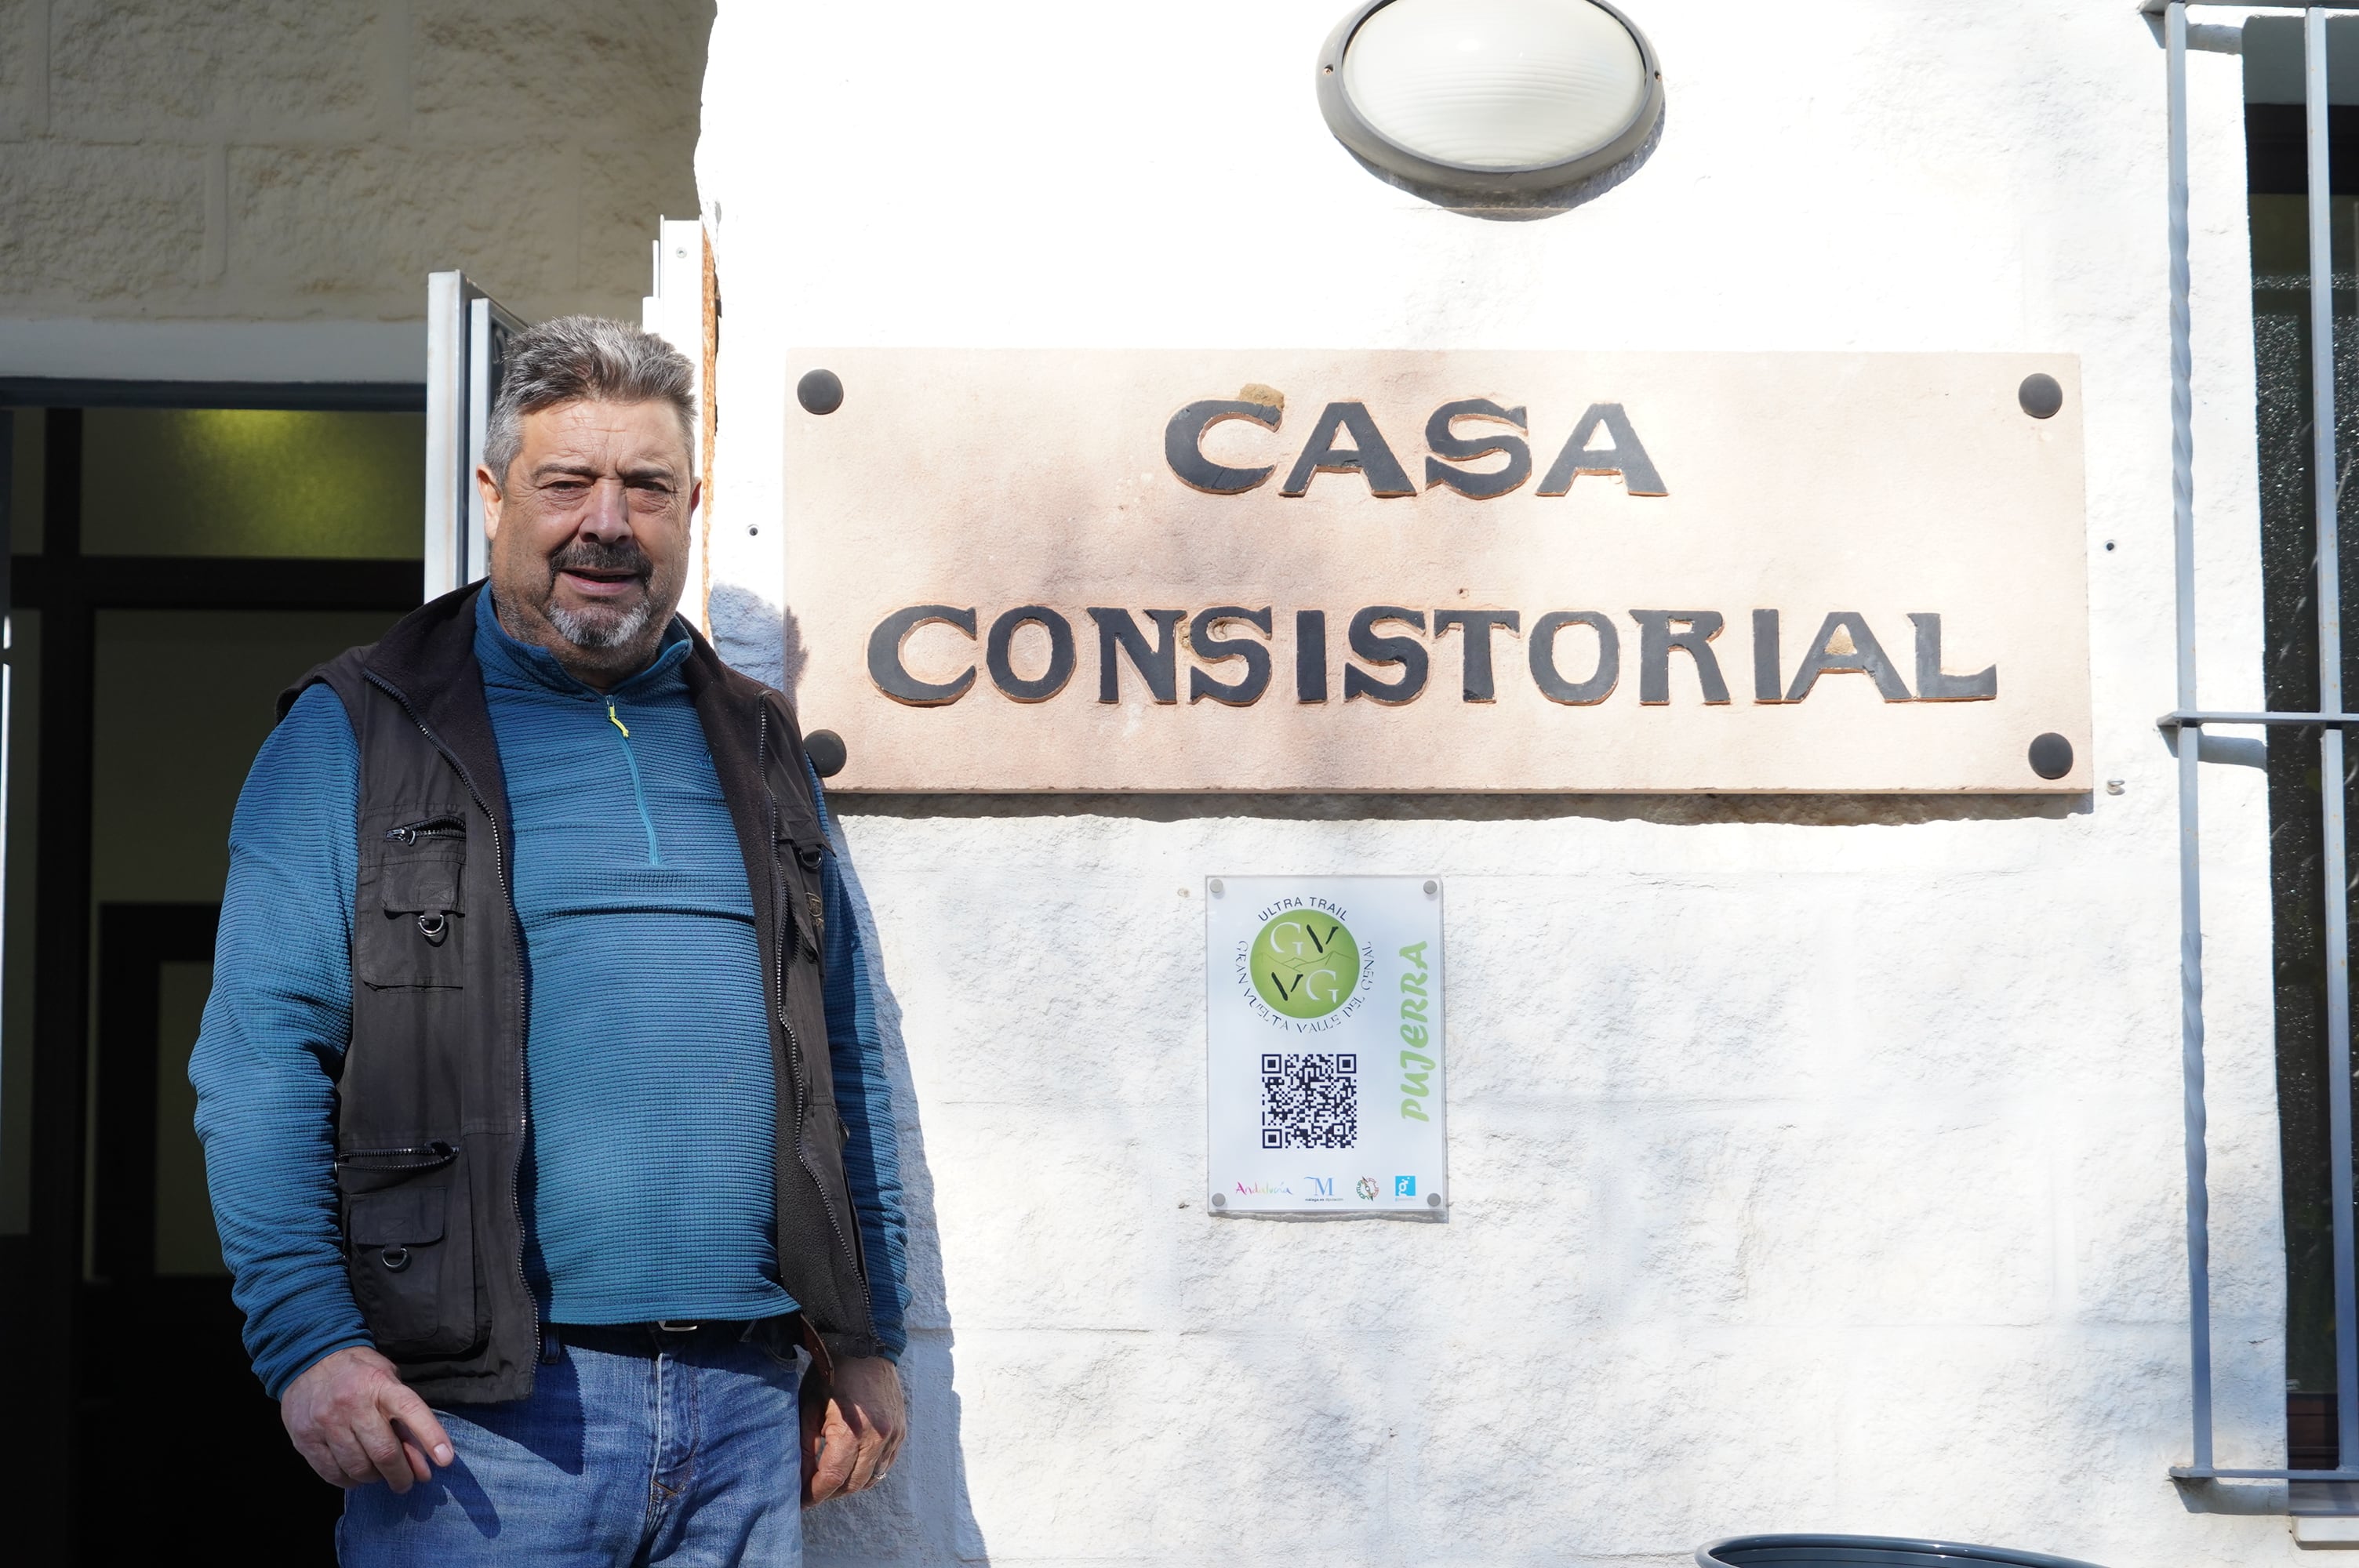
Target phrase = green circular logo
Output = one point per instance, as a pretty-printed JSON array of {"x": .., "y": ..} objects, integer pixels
[{"x": 1305, "y": 965}]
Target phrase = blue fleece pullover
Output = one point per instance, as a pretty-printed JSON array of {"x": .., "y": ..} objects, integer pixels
[{"x": 647, "y": 1180}]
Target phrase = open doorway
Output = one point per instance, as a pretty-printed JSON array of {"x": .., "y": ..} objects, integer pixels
[{"x": 179, "y": 555}]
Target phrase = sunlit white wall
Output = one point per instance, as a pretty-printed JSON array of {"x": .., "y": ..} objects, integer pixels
[{"x": 1815, "y": 1165}]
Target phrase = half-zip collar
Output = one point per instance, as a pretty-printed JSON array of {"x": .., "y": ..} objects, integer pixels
[
  {"x": 500, "y": 653},
  {"x": 505, "y": 660}
]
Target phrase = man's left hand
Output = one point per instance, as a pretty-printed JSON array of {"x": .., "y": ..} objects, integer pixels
[{"x": 852, "y": 1425}]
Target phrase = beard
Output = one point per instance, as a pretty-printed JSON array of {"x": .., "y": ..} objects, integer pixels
[
  {"x": 603, "y": 627},
  {"x": 600, "y": 627}
]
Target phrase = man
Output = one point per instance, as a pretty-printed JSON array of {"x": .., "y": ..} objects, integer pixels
[{"x": 541, "y": 1087}]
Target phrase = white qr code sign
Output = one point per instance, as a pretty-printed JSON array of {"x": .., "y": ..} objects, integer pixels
[{"x": 1324, "y": 1047}]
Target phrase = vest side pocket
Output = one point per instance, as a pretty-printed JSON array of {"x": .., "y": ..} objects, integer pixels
[
  {"x": 409, "y": 1247},
  {"x": 409, "y": 927}
]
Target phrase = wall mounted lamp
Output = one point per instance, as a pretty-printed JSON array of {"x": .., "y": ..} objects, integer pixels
[{"x": 1490, "y": 100}]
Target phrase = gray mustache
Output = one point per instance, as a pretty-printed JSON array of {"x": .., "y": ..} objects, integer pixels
[{"x": 602, "y": 558}]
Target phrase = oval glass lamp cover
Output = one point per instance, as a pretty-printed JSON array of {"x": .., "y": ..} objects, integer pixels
[{"x": 1512, "y": 98}]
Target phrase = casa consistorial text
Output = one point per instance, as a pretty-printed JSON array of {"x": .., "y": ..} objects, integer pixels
[{"x": 1443, "y": 571}]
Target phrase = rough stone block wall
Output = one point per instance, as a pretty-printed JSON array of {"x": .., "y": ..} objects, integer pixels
[{"x": 286, "y": 160}]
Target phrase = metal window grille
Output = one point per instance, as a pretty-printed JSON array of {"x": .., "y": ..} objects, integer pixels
[{"x": 2188, "y": 720}]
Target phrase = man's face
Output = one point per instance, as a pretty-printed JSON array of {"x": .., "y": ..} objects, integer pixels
[{"x": 589, "y": 534}]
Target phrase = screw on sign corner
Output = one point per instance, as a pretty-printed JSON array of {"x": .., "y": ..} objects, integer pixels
[
  {"x": 2051, "y": 756},
  {"x": 2041, "y": 396},
  {"x": 827, "y": 754},
  {"x": 820, "y": 392}
]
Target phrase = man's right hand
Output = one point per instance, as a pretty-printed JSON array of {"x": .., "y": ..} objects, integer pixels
[{"x": 354, "y": 1421}]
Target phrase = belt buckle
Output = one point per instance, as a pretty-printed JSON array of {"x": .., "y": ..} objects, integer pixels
[{"x": 674, "y": 1325}]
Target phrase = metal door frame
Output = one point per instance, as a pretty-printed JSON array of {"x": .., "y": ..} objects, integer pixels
[{"x": 467, "y": 334}]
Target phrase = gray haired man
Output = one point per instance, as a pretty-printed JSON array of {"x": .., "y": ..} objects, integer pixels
[{"x": 542, "y": 1096}]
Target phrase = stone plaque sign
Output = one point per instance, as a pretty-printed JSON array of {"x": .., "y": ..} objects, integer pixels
[
  {"x": 1399, "y": 571},
  {"x": 1324, "y": 1047}
]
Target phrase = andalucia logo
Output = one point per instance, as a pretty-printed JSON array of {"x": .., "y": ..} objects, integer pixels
[{"x": 1304, "y": 965}]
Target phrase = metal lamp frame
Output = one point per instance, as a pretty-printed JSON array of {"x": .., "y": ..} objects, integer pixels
[{"x": 1424, "y": 174}]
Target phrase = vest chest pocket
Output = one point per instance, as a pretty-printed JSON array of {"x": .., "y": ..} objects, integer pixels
[
  {"x": 409, "y": 927},
  {"x": 410, "y": 1249}
]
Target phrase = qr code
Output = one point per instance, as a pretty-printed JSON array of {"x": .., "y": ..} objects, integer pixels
[{"x": 1310, "y": 1101}]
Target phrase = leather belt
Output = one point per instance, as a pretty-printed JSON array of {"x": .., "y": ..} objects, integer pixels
[{"x": 672, "y": 1335}]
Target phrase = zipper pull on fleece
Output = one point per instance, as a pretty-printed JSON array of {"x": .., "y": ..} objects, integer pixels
[{"x": 617, "y": 719}]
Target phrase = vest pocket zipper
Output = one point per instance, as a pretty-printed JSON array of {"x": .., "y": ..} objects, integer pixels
[
  {"x": 432, "y": 827},
  {"x": 417, "y": 1157},
  {"x": 409, "y": 1247}
]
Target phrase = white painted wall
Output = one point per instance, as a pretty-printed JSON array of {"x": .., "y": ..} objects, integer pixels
[{"x": 1816, "y": 1163}]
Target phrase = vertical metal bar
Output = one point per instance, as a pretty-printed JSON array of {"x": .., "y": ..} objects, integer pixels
[
  {"x": 2191, "y": 859},
  {"x": 2325, "y": 479},
  {"x": 60, "y": 1003},
  {"x": 474, "y": 550},
  {"x": 8, "y": 664},
  {"x": 446, "y": 432}
]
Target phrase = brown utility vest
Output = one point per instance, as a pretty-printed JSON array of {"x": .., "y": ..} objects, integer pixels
[{"x": 430, "y": 1096}]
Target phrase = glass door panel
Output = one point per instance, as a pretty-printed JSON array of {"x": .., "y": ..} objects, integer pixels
[
  {"x": 184, "y": 1243},
  {"x": 253, "y": 481}
]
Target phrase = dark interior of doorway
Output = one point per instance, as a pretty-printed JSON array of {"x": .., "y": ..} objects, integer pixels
[
  {"x": 133, "y": 1415},
  {"x": 129, "y": 1308},
  {"x": 2277, "y": 186}
]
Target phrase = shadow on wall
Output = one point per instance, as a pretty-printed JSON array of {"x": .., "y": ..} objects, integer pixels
[
  {"x": 755, "y": 637},
  {"x": 793, "y": 658},
  {"x": 922, "y": 1513}
]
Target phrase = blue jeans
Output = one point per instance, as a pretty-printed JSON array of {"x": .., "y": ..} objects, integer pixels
[{"x": 688, "y": 1451}]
